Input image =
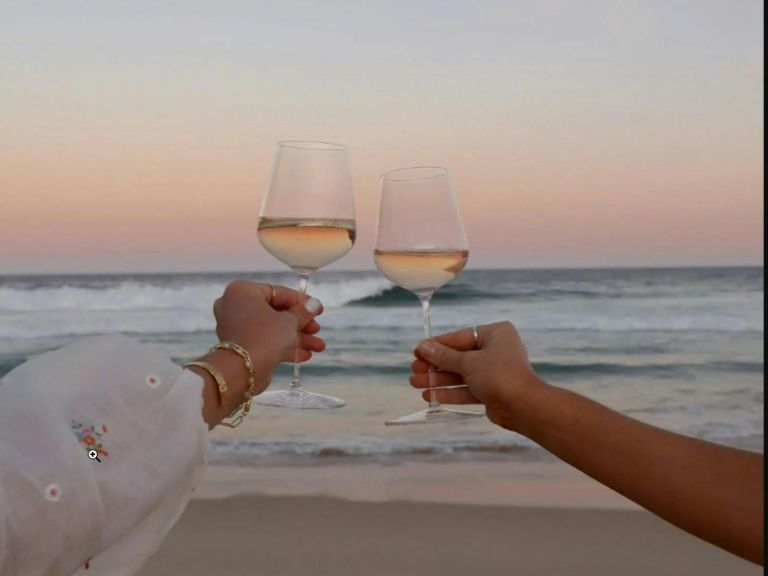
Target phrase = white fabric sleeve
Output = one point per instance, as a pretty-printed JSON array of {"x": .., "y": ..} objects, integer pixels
[{"x": 60, "y": 510}]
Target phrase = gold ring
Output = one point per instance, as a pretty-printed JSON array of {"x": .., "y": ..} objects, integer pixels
[
  {"x": 476, "y": 336},
  {"x": 271, "y": 293}
]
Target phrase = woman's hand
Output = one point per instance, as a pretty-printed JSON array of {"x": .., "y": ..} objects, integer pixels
[
  {"x": 495, "y": 371},
  {"x": 275, "y": 324}
]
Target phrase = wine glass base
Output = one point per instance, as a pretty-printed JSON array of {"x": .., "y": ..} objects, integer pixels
[
  {"x": 435, "y": 416},
  {"x": 298, "y": 398}
]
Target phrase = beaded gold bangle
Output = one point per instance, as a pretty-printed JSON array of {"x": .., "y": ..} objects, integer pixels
[
  {"x": 238, "y": 414},
  {"x": 217, "y": 376}
]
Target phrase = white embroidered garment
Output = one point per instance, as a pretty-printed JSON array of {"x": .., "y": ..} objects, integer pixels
[{"x": 62, "y": 512}]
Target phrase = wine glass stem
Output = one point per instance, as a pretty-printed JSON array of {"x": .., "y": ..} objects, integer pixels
[
  {"x": 296, "y": 380},
  {"x": 433, "y": 403}
]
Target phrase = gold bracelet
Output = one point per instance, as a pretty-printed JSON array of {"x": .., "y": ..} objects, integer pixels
[
  {"x": 245, "y": 408},
  {"x": 217, "y": 376}
]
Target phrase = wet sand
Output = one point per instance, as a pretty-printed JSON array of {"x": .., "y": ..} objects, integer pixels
[{"x": 314, "y": 535}]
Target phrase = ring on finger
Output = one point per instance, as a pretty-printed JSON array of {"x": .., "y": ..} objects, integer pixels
[{"x": 475, "y": 336}]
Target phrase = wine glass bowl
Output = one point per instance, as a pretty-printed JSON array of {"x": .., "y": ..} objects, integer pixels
[
  {"x": 421, "y": 246},
  {"x": 288, "y": 239},
  {"x": 307, "y": 221}
]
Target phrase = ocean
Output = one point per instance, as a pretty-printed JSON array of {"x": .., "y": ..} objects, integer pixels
[{"x": 679, "y": 348}]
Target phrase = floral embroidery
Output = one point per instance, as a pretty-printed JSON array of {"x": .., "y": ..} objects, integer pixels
[
  {"x": 52, "y": 492},
  {"x": 91, "y": 436}
]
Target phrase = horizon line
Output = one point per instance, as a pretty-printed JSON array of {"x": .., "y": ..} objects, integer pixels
[{"x": 363, "y": 270}]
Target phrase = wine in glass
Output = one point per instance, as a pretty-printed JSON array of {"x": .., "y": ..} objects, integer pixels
[
  {"x": 421, "y": 246},
  {"x": 307, "y": 221}
]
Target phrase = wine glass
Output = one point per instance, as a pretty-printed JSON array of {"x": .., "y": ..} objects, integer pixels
[
  {"x": 307, "y": 221},
  {"x": 421, "y": 246}
]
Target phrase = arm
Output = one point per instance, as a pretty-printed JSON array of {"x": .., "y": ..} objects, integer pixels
[
  {"x": 712, "y": 491},
  {"x": 142, "y": 414},
  {"x": 139, "y": 411}
]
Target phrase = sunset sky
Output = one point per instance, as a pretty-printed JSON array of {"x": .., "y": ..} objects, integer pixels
[{"x": 138, "y": 136}]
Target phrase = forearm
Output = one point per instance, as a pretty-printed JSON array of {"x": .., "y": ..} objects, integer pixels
[{"x": 711, "y": 491}]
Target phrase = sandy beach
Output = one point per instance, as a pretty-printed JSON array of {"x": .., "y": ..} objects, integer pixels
[
  {"x": 423, "y": 517},
  {"x": 281, "y": 536}
]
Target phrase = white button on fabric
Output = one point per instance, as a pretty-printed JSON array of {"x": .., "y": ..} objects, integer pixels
[
  {"x": 152, "y": 381},
  {"x": 53, "y": 492}
]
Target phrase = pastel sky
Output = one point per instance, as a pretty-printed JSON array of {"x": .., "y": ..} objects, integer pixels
[{"x": 138, "y": 135}]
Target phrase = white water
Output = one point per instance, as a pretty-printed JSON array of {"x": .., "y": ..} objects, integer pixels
[
  {"x": 682, "y": 349},
  {"x": 133, "y": 306},
  {"x": 177, "y": 307}
]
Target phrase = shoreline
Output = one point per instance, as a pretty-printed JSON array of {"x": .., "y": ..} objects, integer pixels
[
  {"x": 497, "y": 481},
  {"x": 520, "y": 477}
]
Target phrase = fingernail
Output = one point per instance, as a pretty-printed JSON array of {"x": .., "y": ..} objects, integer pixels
[
  {"x": 427, "y": 346},
  {"x": 312, "y": 305}
]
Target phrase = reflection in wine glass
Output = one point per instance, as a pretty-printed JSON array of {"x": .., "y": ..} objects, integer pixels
[
  {"x": 421, "y": 246},
  {"x": 307, "y": 221}
]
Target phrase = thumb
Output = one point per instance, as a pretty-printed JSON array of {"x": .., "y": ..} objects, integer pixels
[
  {"x": 306, "y": 311},
  {"x": 441, "y": 356}
]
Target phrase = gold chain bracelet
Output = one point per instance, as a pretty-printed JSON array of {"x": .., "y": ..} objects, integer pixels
[{"x": 239, "y": 414}]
